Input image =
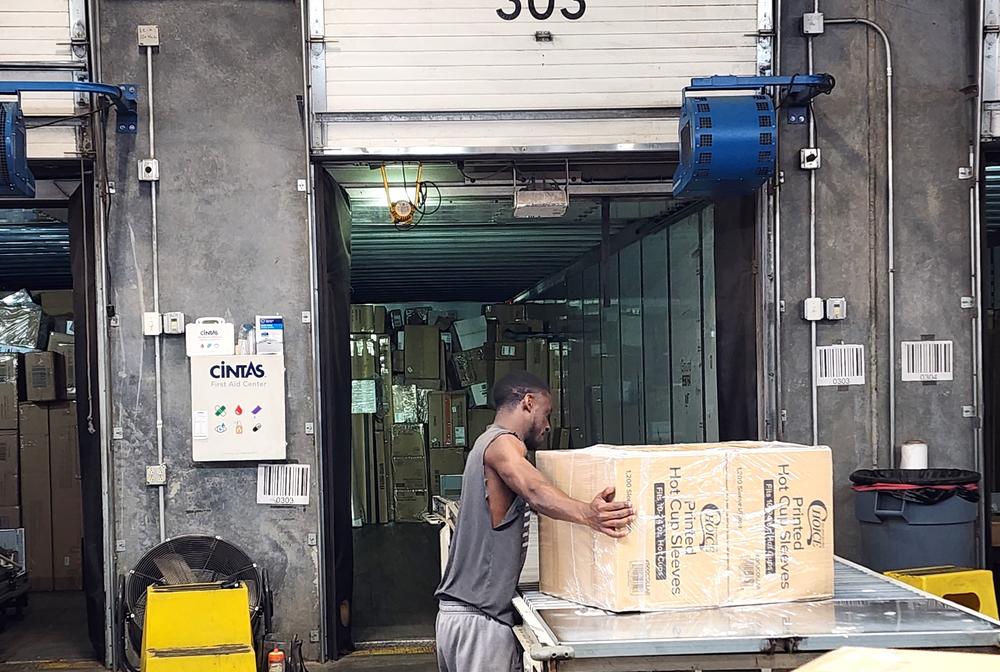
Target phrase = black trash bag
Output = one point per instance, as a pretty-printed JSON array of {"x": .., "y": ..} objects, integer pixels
[{"x": 922, "y": 486}]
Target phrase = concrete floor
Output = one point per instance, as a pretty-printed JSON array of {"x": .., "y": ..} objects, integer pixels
[
  {"x": 54, "y": 628},
  {"x": 402, "y": 663}
]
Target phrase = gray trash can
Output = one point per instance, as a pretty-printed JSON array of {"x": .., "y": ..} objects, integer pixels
[{"x": 916, "y": 518}]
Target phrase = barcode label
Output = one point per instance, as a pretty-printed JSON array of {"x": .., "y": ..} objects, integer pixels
[
  {"x": 286, "y": 484},
  {"x": 928, "y": 360},
  {"x": 838, "y": 365},
  {"x": 639, "y": 578}
]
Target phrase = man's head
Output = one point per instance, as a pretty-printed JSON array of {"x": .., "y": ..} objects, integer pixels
[{"x": 523, "y": 405}]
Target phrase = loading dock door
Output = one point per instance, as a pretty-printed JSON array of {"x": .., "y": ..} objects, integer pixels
[
  {"x": 448, "y": 76},
  {"x": 45, "y": 40}
]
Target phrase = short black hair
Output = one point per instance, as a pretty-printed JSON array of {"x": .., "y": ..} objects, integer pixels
[{"x": 513, "y": 387}]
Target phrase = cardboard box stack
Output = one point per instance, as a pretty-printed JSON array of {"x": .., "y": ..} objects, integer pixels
[
  {"x": 421, "y": 382},
  {"x": 40, "y": 481},
  {"x": 717, "y": 524}
]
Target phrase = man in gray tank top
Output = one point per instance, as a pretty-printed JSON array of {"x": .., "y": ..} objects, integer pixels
[{"x": 491, "y": 538}]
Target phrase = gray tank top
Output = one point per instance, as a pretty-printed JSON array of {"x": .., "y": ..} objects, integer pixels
[{"x": 484, "y": 562}]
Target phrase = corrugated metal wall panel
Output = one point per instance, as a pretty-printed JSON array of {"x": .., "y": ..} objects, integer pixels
[
  {"x": 39, "y": 31},
  {"x": 390, "y": 56}
]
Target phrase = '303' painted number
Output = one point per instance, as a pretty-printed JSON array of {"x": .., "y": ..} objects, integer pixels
[{"x": 545, "y": 13}]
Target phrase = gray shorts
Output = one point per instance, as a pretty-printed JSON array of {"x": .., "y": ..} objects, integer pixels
[{"x": 470, "y": 641}]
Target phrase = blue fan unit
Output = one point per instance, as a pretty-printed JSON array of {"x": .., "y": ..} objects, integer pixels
[
  {"x": 728, "y": 145},
  {"x": 15, "y": 178}
]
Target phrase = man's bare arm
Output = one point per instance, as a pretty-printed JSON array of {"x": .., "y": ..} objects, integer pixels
[{"x": 506, "y": 457}]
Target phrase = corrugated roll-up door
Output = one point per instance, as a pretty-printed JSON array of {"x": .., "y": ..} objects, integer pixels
[
  {"x": 393, "y": 76},
  {"x": 37, "y": 43}
]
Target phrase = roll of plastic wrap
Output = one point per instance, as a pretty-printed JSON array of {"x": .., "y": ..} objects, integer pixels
[{"x": 913, "y": 455}]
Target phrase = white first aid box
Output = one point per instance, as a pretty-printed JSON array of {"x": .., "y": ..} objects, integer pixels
[
  {"x": 238, "y": 408},
  {"x": 210, "y": 336}
]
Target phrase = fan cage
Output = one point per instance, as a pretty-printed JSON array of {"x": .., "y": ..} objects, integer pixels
[{"x": 209, "y": 559}]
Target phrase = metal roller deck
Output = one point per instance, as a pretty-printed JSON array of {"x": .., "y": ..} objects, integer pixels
[{"x": 867, "y": 609}]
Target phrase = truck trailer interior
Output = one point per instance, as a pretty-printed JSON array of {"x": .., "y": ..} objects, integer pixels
[
  {"x": 653, "y": 294},
  {"x": 47, "y": 259}
]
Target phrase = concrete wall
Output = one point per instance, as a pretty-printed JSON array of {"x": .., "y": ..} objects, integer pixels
[
  {"x": 233, "y": 241},
  {"x": 931, "y": 45}
]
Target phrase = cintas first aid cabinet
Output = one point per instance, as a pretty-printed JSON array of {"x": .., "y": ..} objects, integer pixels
[{"x": 238, "y": 408}]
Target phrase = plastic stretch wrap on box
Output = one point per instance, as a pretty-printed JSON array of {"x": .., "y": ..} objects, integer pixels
[
  {"x": 8, "y": 368},
  {"x": 717, "y": 524},
  {"x": 409, "y": 404},
  {"x": 23, "y": 326}
]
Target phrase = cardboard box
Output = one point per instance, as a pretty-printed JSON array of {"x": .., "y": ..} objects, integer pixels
[
  {"x": 516, "y": 331},
  {"x": 362, "y": 443},
  {"x": 45, "y": 376},
  {"x": 364, "y": 356},
  {"x": 384, "y": 370},
  {"x": 367, "y": 319},
  {"x": 536, "y": 358},
  {"x": 409, "y": 473},
  {"x": 407, "y": 440},
  {"x": 851, "y": 659},
  {"x": 703, "y": 536},
  {"x": 446, "y": 418},
  {"x": 10, "y": 469},
  {"x": 395, "y": 319},
  {"x": 10, "y": 517},
  {"x": 67, "y": 503},
  {"x": 479, "y": 419},
  {"x": 555, "y": 380},
  {"x": 469, "y": 334},
  {"x": 382, "y": 486},
  {"x": 508, "y": 351},
  {"x": 416, "y": 316},
  {"x": 409, "y": 505},
  {"x": 65, "y": 345},
  {"x": 506, "y": 312},
  {"x": 11, "y": 370},
  {"x": 445, "y": 462},
  {"x": 409, "y": 404},
  {"x": 479, "y": 395},
  {"x": 8, "y": 406},
  {"x": 422, "y": 352},
  {"x": 471, "y": 366},
  {"x": 36, "y": 495},
  {"x": 780, "y": 523},
  {"x": 55, "y": 302}
]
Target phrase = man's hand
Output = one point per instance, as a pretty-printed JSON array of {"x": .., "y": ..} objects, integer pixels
[{"x": 608, "y": 516}]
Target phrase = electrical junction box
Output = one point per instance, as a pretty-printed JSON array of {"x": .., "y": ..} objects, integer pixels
[
  {"x": 148, "y": 35},
  {"x": 812, "y": 23},
  {"x": 238, "y": 408},
  {"x": 173, "y": 323},
  {"x": 836, "y": 308},
  {"x": 149, "y": 170},
  {"x": 152, "y": 324},
  {"x": 812, "y": 309},
  {"x": 156, "y": 474},
  {"x": 809, "y": 158}
]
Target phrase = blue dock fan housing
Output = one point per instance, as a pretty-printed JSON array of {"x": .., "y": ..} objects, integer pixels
[
  {"x": 15, "y": 178},
  {"x": 728, "y": 143}
]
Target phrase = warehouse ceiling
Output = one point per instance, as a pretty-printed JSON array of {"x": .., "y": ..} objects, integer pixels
[
  {"x": 34, "y": 249},
  {"x": 469, "y": 246}
]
